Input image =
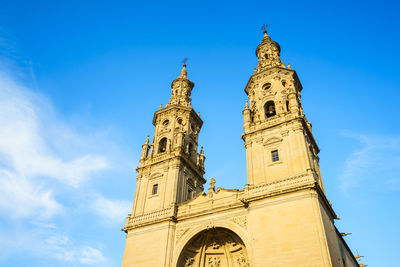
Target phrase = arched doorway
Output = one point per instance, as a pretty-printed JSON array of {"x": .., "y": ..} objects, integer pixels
[{"x": 217, "y": 247}]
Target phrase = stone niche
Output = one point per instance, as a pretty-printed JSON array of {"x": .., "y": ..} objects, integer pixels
[{"x": 217, "y": 247}]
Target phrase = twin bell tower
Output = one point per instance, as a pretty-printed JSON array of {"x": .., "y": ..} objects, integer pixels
[{"x": 280, "y": 218}]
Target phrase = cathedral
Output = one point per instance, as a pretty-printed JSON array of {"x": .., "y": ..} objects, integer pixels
[{"x": 280, "y": 218}]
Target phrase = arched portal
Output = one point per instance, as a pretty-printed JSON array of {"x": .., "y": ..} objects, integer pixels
[{"x": 217, "y": 247}]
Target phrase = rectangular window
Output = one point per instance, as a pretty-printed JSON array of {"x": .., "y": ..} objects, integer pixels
[
  {"x": 155, "y": 189},
  {"x": 275, "y": 156}
]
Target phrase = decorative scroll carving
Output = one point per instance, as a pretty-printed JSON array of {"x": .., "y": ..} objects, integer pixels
[
  {"x": 241, "y": 260},
  {"x": 180, "y": 233},
  {"x": 242, "y": 221},
  {"x": 210, "y": 225}
]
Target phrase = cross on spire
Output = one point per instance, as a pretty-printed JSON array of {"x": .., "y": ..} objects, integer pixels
[
  {"x": 264, "y": 27},
  {"x": 185, "y": 60}
]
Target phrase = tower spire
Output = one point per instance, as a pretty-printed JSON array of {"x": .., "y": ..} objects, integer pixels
[
  {"x": 181, "y": 89},
  {"x": 268, "y": 52},
  {"x": 183, "y": 72}
]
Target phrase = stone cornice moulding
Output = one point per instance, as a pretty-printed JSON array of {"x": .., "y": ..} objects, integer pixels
[{"x": 224, "y": 199}]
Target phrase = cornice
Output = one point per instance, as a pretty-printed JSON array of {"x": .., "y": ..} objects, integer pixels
[
  {"x": 215, "y": 202},
  {"x": 273, "y": 69},
  {"x": 167, "y": 158},
  {"x": 174, "y": 107},
  {"x": 271, "y": 123}
]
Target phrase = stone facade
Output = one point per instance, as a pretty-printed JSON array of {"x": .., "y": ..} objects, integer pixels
[{"x": 282, "y": 216}]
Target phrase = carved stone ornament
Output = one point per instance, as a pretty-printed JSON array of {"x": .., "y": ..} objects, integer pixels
[
  {"x": 210, "y": 225},
  {"x": 180, "y": 233},
  {"x": 189, "y": 262},
  {"x": 241, "y": 260},
  {"x": 218, "y": 247},
  {"x": 241, "y": 221},
  {"x": 214, "y": 261}
]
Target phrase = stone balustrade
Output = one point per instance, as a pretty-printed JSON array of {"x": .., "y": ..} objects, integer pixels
[
  {"x": 151, "y": 217},
  {"x": 221, "y": 199}
]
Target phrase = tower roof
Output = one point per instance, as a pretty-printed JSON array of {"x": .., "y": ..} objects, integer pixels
[
  {"x": 183, "y": 72},
  {"x": 268, "y": 53},
  {"x": 266, "y": 41},
  {"x": 181, "y": 89}
]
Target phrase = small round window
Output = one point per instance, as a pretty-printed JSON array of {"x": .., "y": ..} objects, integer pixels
[
  {"x": 267, "y": 86},
  {"x": 284, "y": 83},
  {"x": 179, "y": 120},
  {"x": 165, "y": 123}
]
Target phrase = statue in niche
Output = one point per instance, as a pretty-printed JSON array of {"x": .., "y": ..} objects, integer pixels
[{"x": 214, "y": 262}]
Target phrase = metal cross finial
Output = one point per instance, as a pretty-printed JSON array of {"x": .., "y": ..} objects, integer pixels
[
  {"x": 184, "y": 60},
  {"x": 264, "y": 28}
]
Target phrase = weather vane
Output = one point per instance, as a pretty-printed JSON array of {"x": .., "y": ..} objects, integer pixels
[
  {"x": 264, "y": 28},
  {"x": 184, "y": 60}
]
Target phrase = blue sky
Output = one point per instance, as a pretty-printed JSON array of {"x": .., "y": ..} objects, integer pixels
[{"x": 80, "y": 81}]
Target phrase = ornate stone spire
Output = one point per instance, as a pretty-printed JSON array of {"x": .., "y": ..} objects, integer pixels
[
  {"x": 183, "y": 72},
  {"x": 181, "y": 89},
  {"x": 268, "y": 53}
]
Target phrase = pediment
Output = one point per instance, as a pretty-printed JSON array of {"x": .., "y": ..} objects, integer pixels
[
  {"x": 272, "y": 141},
  {"x": 221, "y": 195},
  {"x": 156, "y": 175}
]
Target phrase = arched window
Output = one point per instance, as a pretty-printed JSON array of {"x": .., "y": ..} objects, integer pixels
[
  {"x": 162, "y": 146},
  {"x": 190, "y": 148},
  {"x": 269, "y": 109},
  {"x": 190, "y": 193}
]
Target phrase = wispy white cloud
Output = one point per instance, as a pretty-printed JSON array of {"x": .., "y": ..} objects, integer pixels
[
  {"x": 111, "y": 210},
  {"x": 42, "y": 155},
  {"x": 50, "y": 244},
  {"x": 27, "y": 156},
  {"x": 29, "y": 130},
  {"x": 62, "y": 248},
  {"x": 377, "y": 160},
  {"x": 22, "y": 198},
  {"x": 91, "y": 255}
]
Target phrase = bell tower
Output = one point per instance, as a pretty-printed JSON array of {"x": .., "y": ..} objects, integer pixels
[
  {"x": 280, "y": 218},
  {"x": 278, "y": 138},
  {"x": 171, "y": 171}
]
